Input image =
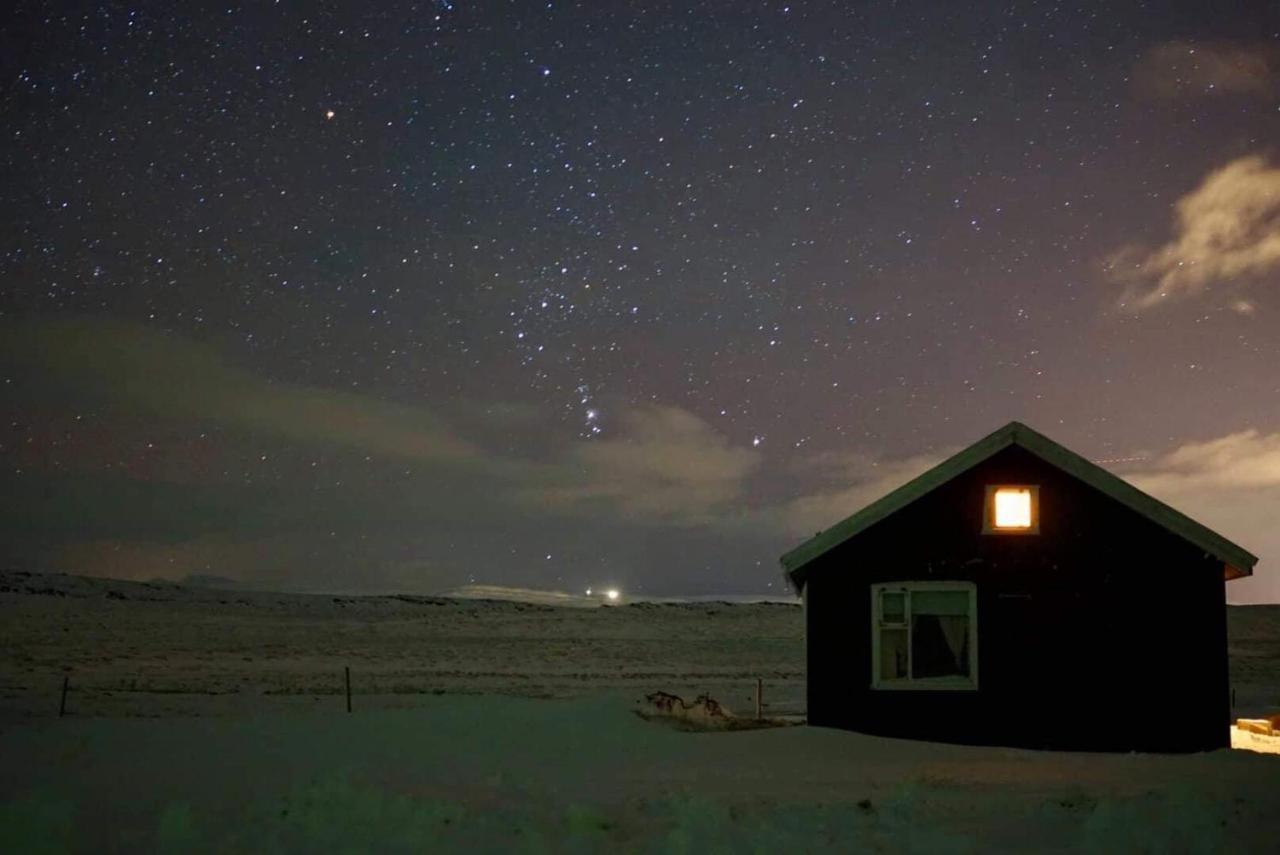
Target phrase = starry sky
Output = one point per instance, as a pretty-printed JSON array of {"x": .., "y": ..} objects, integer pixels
[{"x": 404, "y": 296}]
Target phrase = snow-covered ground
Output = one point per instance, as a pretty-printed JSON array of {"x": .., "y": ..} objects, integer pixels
[
  {"x": 214, "y": 721},
  {"x": 490, "y": 774},
  {"x": 158, "y": 649}
]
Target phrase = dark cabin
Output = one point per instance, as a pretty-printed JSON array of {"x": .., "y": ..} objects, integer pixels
[{"x": 1017, "y": 594}]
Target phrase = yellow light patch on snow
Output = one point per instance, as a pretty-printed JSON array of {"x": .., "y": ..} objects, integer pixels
[{"x": 1249, "y": 740}]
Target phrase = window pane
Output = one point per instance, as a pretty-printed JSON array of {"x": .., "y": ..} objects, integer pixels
[
  {"x": 1013, "y": 507},
  {"x": 939, "y": 602},
  {"x": 893, "y": 607},
  {"x": 939, "y": 644},
  {"x": 893, "y": 654}
]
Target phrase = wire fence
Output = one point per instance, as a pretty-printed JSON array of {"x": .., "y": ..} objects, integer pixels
[{"x": 344, "y": 688}]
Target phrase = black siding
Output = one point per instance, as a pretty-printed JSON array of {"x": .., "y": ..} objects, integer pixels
[{"x": 1103, "y": 632}]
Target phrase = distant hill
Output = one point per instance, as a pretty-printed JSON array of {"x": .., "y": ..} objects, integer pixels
[
  {"x": 207, "y": 580},
  {"x": 522, "y": 595}
]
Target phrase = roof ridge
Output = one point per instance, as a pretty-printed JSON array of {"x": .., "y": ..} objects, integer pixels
[{"x": 1235, "y": 557}]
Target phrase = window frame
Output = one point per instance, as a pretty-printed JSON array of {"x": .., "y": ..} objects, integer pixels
[
  {"x": 989, "y": 509},
  {"x": 921, "y": 684}
]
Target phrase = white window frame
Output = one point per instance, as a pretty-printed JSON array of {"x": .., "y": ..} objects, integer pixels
[{"x": 950, "y": 683}]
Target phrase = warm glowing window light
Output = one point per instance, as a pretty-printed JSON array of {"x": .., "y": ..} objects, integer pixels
[{"x": 1013, "y": 507}]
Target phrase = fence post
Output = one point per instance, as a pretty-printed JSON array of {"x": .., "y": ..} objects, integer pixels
[
  {"x": 62, "y": 706},
  {"x": 759, "y": 698},
  {"x": 347, "y": 669}
]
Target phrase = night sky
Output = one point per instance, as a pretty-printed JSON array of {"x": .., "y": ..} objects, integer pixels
[{"x": 388, "y": 296}]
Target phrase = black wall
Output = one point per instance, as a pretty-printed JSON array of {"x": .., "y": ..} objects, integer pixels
[{"x": 1103, "y": 632}]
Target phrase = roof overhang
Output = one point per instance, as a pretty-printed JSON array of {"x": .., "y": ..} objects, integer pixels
[{"x": 1237, "y": 561}]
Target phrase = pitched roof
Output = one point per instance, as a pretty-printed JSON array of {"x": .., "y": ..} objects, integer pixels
[{"x": 1237, "y": 561}]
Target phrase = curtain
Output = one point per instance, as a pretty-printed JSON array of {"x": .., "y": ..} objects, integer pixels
[
  {"x": 939, "y": 645},
  {"x": 955, "y": 629}
]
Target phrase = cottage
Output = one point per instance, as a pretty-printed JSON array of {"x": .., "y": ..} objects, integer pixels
[{"x": 1017, "y": 594}]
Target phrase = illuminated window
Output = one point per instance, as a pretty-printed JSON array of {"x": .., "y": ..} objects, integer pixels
[
  {"x": 924, "y": 635},
  {"x": 1012, "y": 509}
]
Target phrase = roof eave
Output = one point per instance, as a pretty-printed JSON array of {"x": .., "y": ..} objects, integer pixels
[
  {"x": 1234, "y": 557},
  {"x": 1237, "y": 561},
  {"x": 795, "y": 560},
  {"x": 1231, "y": 572}
]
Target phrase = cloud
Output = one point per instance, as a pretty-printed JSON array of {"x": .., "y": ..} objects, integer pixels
[
  {"x": 1183, "y": 69},
  {"x": 1246, "y": 460},
  {"x": 859, "y": 480},
  {"x": 402, "y": 495},
  {"x": 144, "y": 560},
  {"x": 1225, "y": 230},
  {"x": 666, "y": 465},
  {"x": 277, "y": 562},
  {"x": 166, "y": 376},
  {"x": 1232, "y": 485}
]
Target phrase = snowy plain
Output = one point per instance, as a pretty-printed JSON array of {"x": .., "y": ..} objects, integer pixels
[{"x": 214, "y": 720}]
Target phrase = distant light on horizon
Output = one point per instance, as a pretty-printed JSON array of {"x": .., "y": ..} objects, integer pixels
[{"x": 612, "y": 593}]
